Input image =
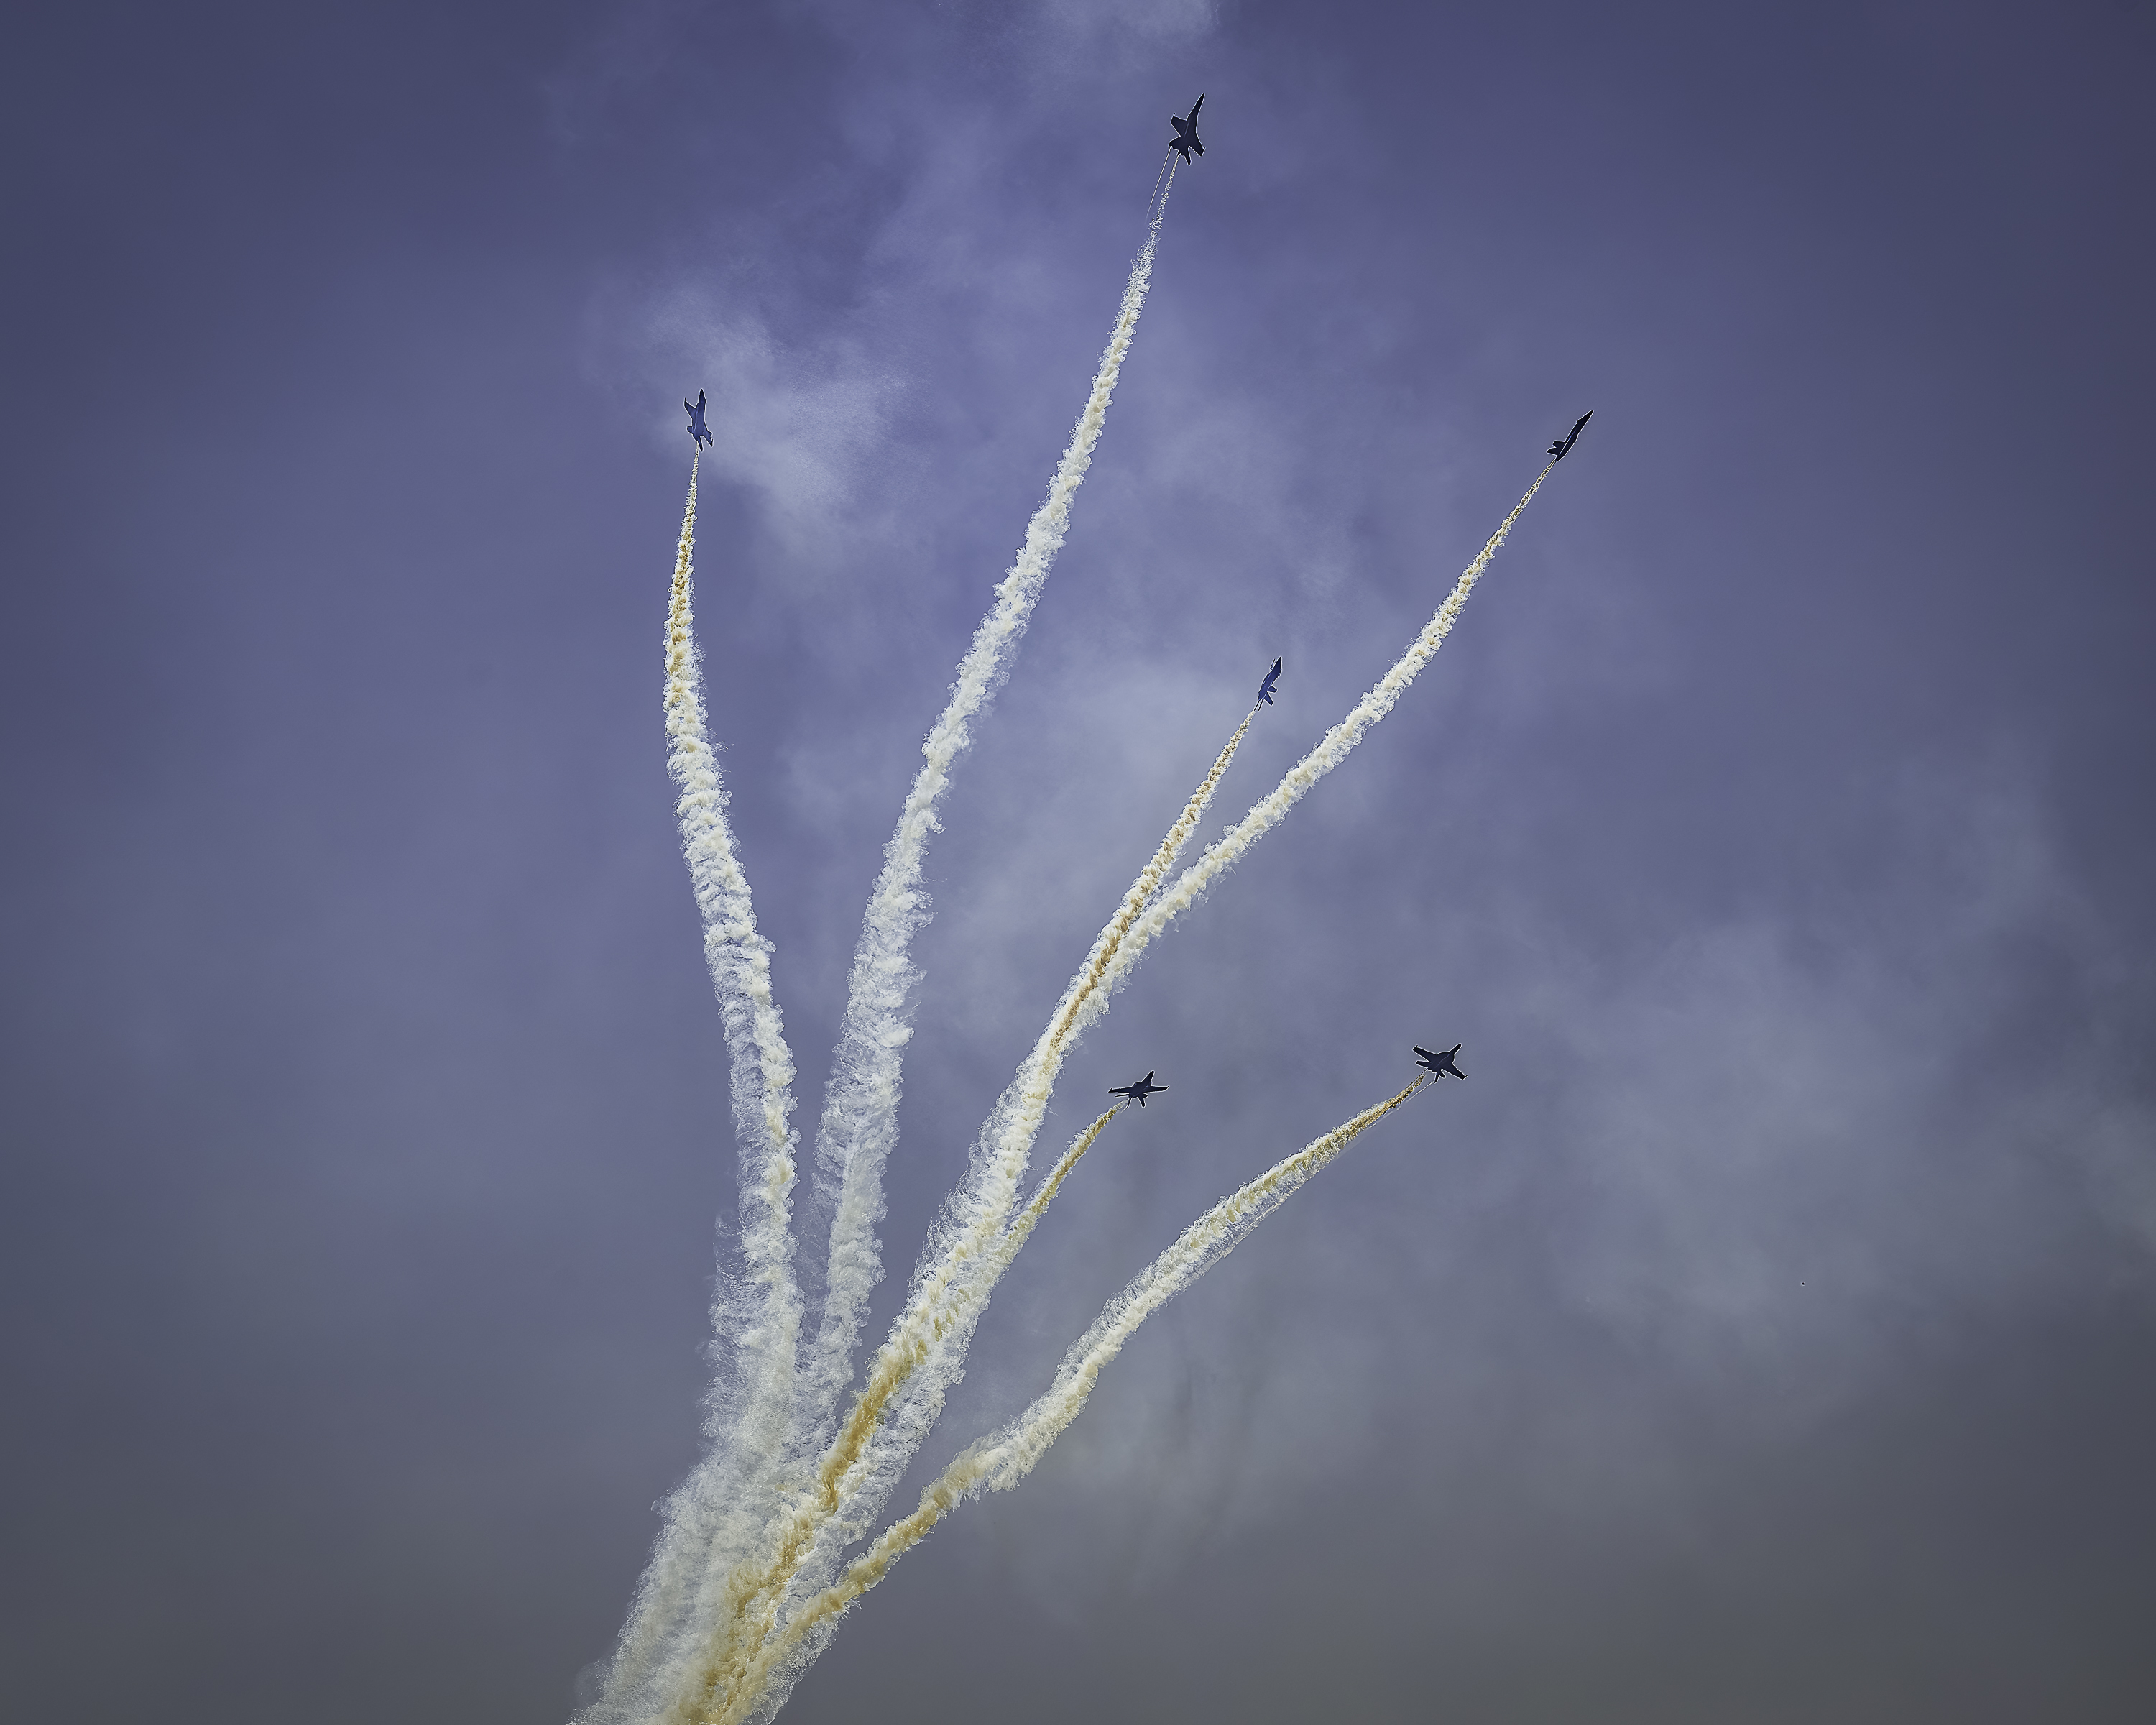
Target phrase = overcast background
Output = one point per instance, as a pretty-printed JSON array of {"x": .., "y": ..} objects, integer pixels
[{"x": 1765, "y": 1330}]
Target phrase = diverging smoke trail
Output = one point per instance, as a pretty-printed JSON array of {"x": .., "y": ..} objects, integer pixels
[
  {"x": 972, "y": 1245},
  {"x": 1334, "y": 748},
  {"x": 758, "y": 1309},
  {"x": 984, "y": 1197},
  {"x": 749, "y": 1606},
  {"x": 999, "y": 1462},
  {"x": 921, "y": 1357},
  {"x": 1000, "y": 1156},
  {"x": 859, "y": 1124}
]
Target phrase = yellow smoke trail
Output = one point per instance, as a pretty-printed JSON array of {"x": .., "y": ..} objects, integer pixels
[
  {"x": 947, "y": 1297},
  {"x": 999, "y": 1463},
  {"x": 761, "y": 1312},
  {"x": 859, "y": 1124}
]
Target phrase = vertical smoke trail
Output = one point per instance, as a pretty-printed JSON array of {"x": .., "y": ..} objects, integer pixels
[
  {"x": 860, "y": 1109},
  {"x": 1000, "y": 1462},
  {"x": 913, "y": 1370},
  {"x": 757, "y": 1312}
]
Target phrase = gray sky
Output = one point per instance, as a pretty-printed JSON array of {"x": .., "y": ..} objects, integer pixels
[{"x": 1763, "y": 1330}]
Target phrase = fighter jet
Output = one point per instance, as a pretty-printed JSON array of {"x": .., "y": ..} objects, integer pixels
[
  {"x": 1442, "y": 1063},
  {"x": 1558, "y": 448},
  {"x": 696, "y": 421},
  {"x": 1186, "y": 133},
  {"x": 1139, "y": 1091},
  {"x": 1272, "y": 676}
]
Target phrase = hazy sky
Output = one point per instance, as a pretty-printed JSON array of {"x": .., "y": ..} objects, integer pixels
[{"x": 1765, "y": 1330}]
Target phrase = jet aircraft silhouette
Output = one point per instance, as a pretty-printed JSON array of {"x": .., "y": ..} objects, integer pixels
[
  {"x": 1186, "y": 133},
  {"x": 1272, "y": 676},
  {"x": 1440, "y": 1063},
  {"x": 1557, "y": 449},
  {"x": 696, "y": 421},
  {"x": 1139, "y": 1091}
]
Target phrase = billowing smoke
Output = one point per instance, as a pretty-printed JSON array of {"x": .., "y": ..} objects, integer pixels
[{"x": 750, "y": 1574}]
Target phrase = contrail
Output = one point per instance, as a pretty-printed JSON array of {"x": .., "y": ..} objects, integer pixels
[
  {"x": 757, "y": 1312},
  {"x": 922, "y": 1356},
  {"x": 999, "y": 1462},
  {"x": 859, "y": 1124}
]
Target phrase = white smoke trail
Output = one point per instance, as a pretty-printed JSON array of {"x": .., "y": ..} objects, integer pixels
[
  {"x": 1000, "y": 1157},
  {"x": 924, "y": 1354},
  {"x": 757, "y": 1312},
  {"x": 955, "y": 1252},
  {"x": 999, "y": 1462},
  {"x": 859, "y": 1124},
  {"x": 1334, "y": 748}
]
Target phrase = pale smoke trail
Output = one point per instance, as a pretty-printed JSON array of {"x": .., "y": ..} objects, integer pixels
[
  {"x": 758, "y": 1312},
  {"x": 743, "y": 1626},
  {"x": 925, "y": 1355},
  {"x": 1000, "y": 1462},
  {"x": 925, "y": 1352},
  {"x": 860, "y": 1109},
  {"x": 952, "y": 1287},
  {"x": 985, "y": 1195},
  {"x": 1332, "y": 750}
]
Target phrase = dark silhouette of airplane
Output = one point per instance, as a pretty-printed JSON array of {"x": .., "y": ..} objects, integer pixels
[
  {"x": 1272, "y": 676},
  {"x": 1186, "y": 133},
  {"x": 696, "y": 421},
  {"x": 1440, "y": 1063},
  {"x": 1558, "y": 448},
  {"x": 1139, "y": 1091}
]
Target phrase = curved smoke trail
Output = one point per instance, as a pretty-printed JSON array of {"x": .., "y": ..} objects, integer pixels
[
  {"x": 986, "y": 1191},
  {"x": 859, "y": 1124},
  {"x": 757, "y": 1312},
  {"x": 998, "y": 1463},
  {"x": 925, "y": 1354},
  {"x": 913, "y": 1370}
]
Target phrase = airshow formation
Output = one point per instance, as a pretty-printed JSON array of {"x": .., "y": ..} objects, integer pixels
[{"x": 773, "y": 1535}]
